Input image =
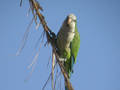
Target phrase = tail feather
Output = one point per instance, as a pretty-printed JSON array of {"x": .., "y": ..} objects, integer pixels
[{"x": 72, "y": 61}]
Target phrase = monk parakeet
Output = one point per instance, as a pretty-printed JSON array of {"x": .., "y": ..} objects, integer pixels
[{"x": 68, "y": 43}]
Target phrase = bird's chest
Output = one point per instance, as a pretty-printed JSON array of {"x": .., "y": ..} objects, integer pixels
[{"x": 68, "y": 37}]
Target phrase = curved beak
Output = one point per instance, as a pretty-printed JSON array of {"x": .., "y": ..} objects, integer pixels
[{"x": 69, "y": 20}]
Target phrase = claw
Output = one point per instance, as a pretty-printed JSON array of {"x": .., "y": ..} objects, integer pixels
[{"x": 62, "y": 59}]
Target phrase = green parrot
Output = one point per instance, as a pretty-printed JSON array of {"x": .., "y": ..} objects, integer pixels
[{"x": 68, "y": 43}]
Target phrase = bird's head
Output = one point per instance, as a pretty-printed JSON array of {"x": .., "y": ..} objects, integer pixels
[{"x": 71, "y": 20}]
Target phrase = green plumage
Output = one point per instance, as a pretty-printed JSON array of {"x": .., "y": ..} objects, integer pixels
[{"x": 75, "y": 44}]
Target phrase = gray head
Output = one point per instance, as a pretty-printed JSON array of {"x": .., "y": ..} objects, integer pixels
[
  {"x": 72, "y": 17},
  {"x": 71, "y": 20}
]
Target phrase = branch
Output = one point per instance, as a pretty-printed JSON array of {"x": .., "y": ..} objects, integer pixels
[{"x": 51, "y": 38}]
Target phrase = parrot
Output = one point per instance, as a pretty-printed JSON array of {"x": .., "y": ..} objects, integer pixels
[{"x": 68, "y": 43}]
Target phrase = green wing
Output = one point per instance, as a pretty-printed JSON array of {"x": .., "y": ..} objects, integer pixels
[
  {"x": 74, "y": 47},
  {"x": 75, "y": 44}
]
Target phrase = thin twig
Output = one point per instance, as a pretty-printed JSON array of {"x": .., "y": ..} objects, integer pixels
[
  {"x": 53, "y": 65},
  {"x": 24, "y": 40},
  {"x": 48, "y": 78},
  {"x": 47, "y": 81},
  {"x": 48, "y": 61},
  {"x": 20, "y": 3}
]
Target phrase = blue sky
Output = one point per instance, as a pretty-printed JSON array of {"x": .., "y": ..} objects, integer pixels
[{"x": 98, "y": 61}]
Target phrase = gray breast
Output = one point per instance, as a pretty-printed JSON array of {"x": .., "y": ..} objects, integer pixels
[{"x": 65, "y": 36}]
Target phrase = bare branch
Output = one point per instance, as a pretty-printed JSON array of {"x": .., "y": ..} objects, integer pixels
[{"x": 51, "y": 38}]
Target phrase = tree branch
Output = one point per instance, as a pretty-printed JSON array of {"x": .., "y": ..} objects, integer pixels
[{"x": 51, "y": 37}]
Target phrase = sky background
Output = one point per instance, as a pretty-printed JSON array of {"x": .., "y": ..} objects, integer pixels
[{"x": 98, "y": 61}]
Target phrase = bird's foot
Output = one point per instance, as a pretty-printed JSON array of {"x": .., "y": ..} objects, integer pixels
[{"x": 62, "y": 59}]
